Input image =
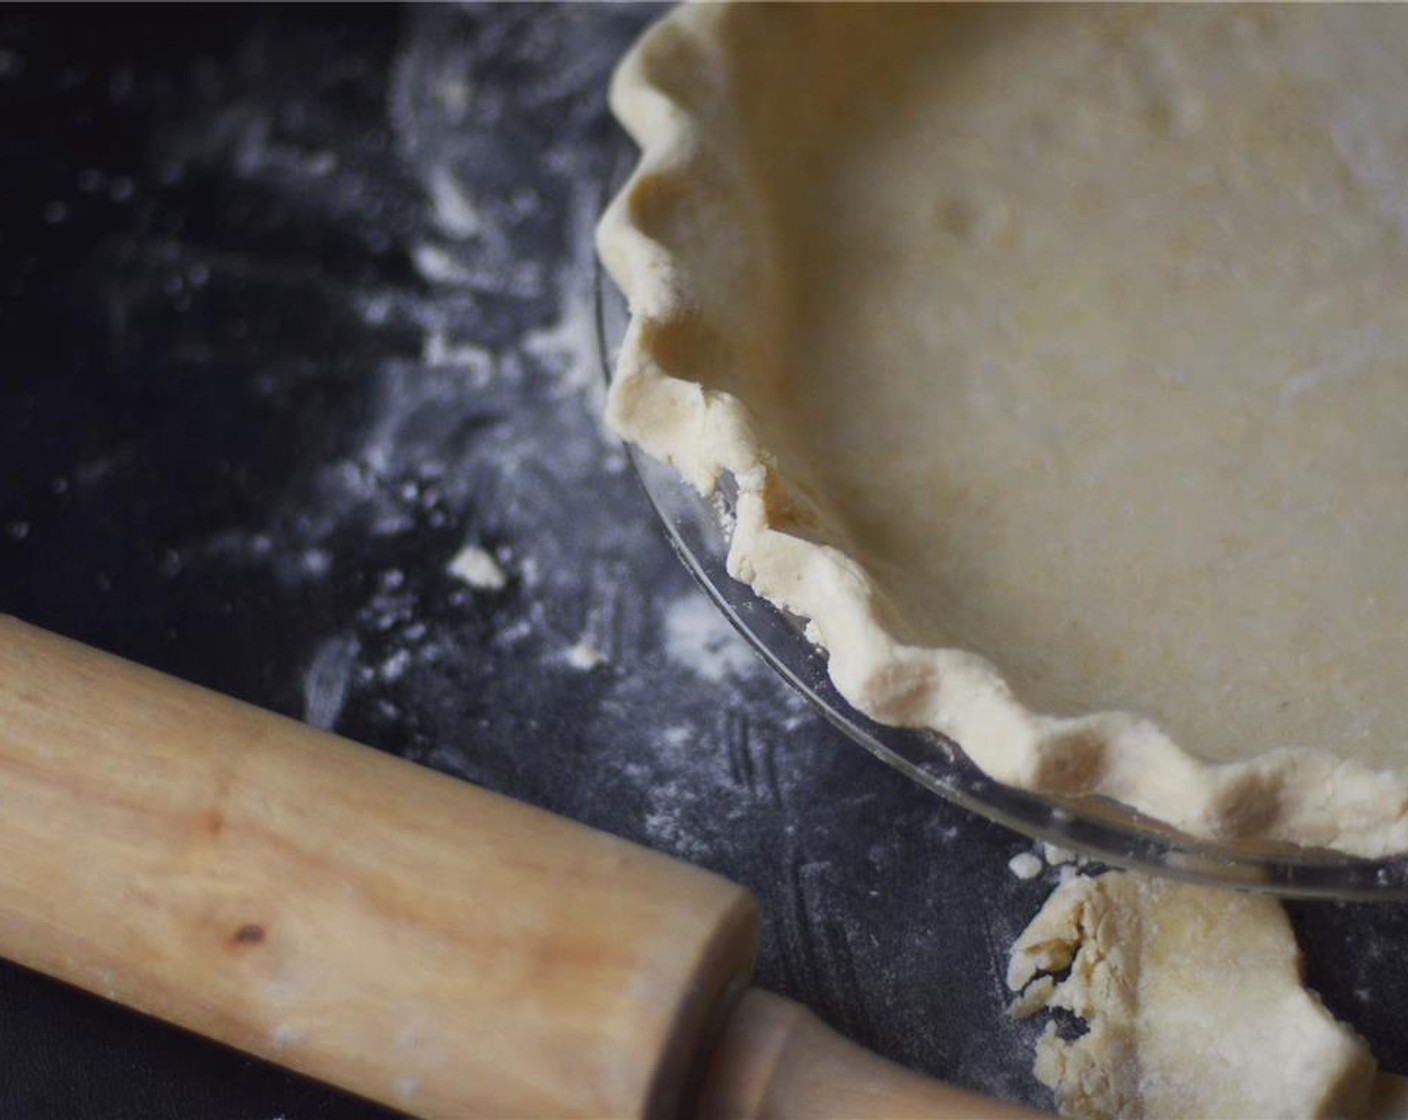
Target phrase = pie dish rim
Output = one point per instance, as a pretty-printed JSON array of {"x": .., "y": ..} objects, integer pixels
[{"x": 707, "y": 434}]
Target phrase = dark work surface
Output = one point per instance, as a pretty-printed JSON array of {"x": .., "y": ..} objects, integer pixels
[{"x": 295, "y": 304}]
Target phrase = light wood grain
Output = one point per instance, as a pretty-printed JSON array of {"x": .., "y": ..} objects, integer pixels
[
  {"x": 369, "y": 922},
  {"x": 778, "y": 1061}
]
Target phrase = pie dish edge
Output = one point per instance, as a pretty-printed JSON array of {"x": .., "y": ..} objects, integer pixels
[{"x": 670, "y": 93}]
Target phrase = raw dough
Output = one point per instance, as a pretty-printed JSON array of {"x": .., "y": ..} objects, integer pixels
[
  {"x": 1061, "y": 359},
  {"x": 1193, "y": 1002}
]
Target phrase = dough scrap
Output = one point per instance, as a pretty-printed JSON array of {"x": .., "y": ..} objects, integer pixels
[
  {"x": 1193, "y": 1003},
  {"x": 1059, "y": 357}
]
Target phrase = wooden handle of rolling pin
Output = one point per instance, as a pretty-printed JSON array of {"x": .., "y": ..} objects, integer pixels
[
  {"x": 778, "y": 1061},
  {"x": 369, "y": 922}
]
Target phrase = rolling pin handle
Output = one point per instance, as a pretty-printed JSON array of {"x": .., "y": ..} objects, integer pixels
[{"x": 778, "y": 1061}]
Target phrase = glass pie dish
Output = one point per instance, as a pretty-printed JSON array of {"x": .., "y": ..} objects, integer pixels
[{"x": 1097, "y": 828}]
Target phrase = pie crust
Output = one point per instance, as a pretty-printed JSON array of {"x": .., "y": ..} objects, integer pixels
[{"x": 1060, "y": 358}]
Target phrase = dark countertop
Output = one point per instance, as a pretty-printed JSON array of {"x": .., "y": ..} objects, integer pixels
[{"x": 295, "y": 305}]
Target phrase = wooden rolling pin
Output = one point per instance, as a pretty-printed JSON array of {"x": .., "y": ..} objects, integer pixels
[{"x": 382, "y": 927}]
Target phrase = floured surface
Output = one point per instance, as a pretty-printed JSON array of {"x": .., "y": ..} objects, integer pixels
[
  {"x": 255, "y": 416},
  {"x": 1193, "y": 1005},
  {"x": 1087, "y": 357}
]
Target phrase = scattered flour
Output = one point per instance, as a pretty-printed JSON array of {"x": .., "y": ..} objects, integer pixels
[
  {"x": 454, "y": 212},
  {"x": 395, "y": 666},
  {"x": 1044, "y": 855},
  {"x": 325, "y": 684},
  {"x": 698, "y": 635},
  {"x": 1025, "y": 865},
  {"x": 314, "y": 562},
  {"x": 484, "y": 423},
  {"x": 584, "y": 656},
  {"x": 515, "y": 632},
  {"x": 438, "y": 352},
  {"x": 569, "y": 344},
  {"x": 438, "y": 265},
  {"x": 676, "y": 737},
  {"x": 478, "y": 569}
]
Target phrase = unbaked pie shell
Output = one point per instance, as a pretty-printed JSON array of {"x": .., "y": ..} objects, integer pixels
[{"x": 731, "y": 108}]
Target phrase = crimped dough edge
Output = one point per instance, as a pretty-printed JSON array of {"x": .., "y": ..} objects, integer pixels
[{"x": 686, "y": 287}]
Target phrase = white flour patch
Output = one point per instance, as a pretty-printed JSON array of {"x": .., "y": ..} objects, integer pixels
[
  {"x": 515, "y": 632},
  {"x": 665, "y": 820},
  {"x": 569, "y": 345},
  {"x": 481, "y": 416},
  {"x": 797, "y": 712},
  {"x": 395, "y": 666},
  {"x": 584, "y": 656},
  {"x": 325, "y": 685},
  {"x": 437, "y": 352},
  {"x": 438, "y": 265},
  {"x": 698, "y": 635},
  {"x": 454, "y": 212},
  {"x": 478, "y": 569},
  {"x": 1025, "y": 865},
  {"x": 315, "y": 562},
  {"x": 676, "y": 737}
]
